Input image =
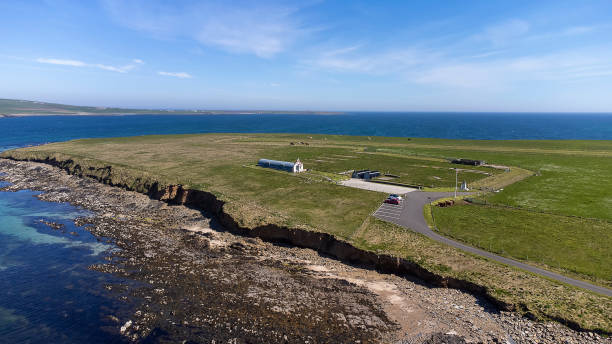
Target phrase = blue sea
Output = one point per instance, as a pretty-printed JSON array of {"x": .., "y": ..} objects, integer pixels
[
  {"x": 481, "y": 126},
  {"x": 48, "y": 294}
]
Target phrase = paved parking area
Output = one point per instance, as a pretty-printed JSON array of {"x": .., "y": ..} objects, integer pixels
[
  {"x": 390, "y": 212},
  {"x": 386, "y": 188}
]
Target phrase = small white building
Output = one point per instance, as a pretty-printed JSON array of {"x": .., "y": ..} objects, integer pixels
[{"x": 298, "y": 166}]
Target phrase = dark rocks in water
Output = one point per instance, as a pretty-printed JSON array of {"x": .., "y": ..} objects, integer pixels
[{"x": 53, "y": 225}]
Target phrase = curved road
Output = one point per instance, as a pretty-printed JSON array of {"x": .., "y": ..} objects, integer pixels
[{"x": 410, "y": 215}]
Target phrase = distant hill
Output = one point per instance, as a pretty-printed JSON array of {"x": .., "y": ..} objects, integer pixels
[{"x": 18, "y": 108}]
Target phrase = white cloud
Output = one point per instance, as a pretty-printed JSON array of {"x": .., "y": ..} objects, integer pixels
[
  {"x": 76, "y": 63},
  {"x": 564, "y": 34},
  {"x": 460, "y": 75},
  {"x": 488, "y": 71},
  {"x": 73, "y": 63},
  {"x": 138, "y": 61},
  {"x": 501, "y": 34},
  {"x": 565, "y": 66},
  {"x": 487, "y": 54},
  {"x": 351, "y": 59},
  {"x": 260, "y": 28},
  {"x": 123, "y": 69},
  {"x": 489, "y": 60},
  {"x": 578, "y": 30},
  {"x": 181, "y": 75},
  {"x": 263, "y": 32}
]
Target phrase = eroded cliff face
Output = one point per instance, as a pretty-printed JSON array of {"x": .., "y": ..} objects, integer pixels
[
  {"x": 177, "y": 276},
  {"x": 323, "y": 243},
  {"x": 155, "y": 239}
]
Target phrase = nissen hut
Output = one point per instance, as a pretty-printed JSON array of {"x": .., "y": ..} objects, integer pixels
[{"x": 294, "y": 167}]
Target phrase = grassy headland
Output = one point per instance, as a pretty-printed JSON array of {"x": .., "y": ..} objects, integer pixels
[{"x": 561, "y": 178}]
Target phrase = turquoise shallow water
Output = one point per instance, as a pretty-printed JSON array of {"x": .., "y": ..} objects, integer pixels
[{"x": 49, "y": 296}]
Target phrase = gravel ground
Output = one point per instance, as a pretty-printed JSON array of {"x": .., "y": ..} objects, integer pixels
[{"x": 199, "y": 284}]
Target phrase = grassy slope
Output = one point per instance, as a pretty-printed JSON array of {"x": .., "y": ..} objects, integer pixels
[
  {"x": 223, "y": 164},
  {"x": 580, "y": 246}
]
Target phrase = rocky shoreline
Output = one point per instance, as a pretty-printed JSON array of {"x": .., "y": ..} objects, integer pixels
[{"x": 197, "y": 282}]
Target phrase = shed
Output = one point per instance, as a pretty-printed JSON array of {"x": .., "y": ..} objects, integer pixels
[
  {"x": 365, "y": 174},
  {"x": 468, "y": 162},
  {"x": 294, "y": 167}
]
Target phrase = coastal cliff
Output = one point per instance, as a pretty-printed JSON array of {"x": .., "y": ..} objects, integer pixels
[{"x": 324, "y": 243}]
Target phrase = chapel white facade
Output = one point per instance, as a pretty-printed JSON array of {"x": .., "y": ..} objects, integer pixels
[{"x": 298, "y": 166}]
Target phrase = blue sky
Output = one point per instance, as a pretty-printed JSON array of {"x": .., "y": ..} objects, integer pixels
[{"x": 311, "y": 55}]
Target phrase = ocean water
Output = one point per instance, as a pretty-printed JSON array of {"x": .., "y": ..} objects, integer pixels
[
  {"x": 495, "y": 126},
  {"x": 48, "y": 294}
]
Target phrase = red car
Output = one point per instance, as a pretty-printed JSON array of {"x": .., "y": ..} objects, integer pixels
[{"x": 392, "y": 201}]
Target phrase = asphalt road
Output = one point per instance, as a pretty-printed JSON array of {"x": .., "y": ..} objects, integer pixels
[{"x": 409, "y": 214}]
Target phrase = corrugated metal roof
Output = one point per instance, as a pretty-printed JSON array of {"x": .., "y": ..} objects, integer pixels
[{"x": 276, "y": 163}]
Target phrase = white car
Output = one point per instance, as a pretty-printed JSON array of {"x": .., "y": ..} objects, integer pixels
[{"x": 398, "y": 197}]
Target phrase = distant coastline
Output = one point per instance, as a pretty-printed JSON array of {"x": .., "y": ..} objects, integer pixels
[
  {"x": 182, "y": 113},
  {"x": 24, "y": 108}
]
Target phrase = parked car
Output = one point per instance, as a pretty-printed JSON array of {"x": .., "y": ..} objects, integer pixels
[
  {"x": 392, "y": 201},
  {"x": 398, "y": 197}
]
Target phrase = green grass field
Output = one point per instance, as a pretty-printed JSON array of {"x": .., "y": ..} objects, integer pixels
[
  {"x": 410, "y": 170},
  {"x": 575, "y": 177},
  {"x": 562, "y": 178},
  {"x": 579, "y": 246},
  {"x": 218, "y": 163}
]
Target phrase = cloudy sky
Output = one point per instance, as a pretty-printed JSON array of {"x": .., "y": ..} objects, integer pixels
[{"x": 311, "y": 55}]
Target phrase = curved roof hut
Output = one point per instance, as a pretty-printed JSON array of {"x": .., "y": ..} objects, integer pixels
[{"x": 282, "y": 165}]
